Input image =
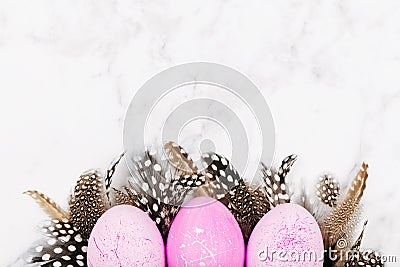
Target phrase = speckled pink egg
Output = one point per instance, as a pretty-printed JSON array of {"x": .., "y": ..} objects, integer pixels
[
  {"x": 286, "y": 236},
  {"x": 205, "y": 233},
  {"x": 125, "y": 236}
]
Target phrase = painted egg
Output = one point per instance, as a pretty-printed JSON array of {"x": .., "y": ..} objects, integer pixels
[
  {"x": 205, "y": 233},
  {"x": 125, "y": 236},
  {"x": 289, "y": 236}
]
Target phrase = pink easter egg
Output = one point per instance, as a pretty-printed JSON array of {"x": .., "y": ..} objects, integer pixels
[
  {"x": 125, "y": 236},
  {"x": 287, "y": 236},
  {"x": 205, "y": 233}
]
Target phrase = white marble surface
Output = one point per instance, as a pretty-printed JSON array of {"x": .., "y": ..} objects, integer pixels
[{"x": 68, "y": 70}]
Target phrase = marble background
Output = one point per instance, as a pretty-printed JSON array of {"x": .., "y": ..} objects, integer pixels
[{"x": 330, "y": 71}]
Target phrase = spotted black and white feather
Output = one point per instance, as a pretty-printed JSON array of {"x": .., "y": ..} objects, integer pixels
[
  {"x": 360, "y": 257},
  {"x": 62, "y": 246},
  {"x": 367, "y": 258},
  {"x": 110, "y": 173},
  {"x": 90, "y": 198},
  {"x": 61, "y": 243},
  {"x": 248, "y": 205},
  {"x": 64, "y": 237},
  {"x": 154, "y": 174},
  {"x": 158, "y": 187},
  {"x": 328, "y": 190},
  {"x": 161, "y": 213},
  {"x": 88, "y": 201},
  {"x": 274, "y": 181},
  {"x": 220, "y": 175}
]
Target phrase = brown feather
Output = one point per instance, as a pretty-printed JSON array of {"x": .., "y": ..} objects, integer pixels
[
  {"x": 358, "y": 185},
  {"x": 120, "y": 198},
  {"x": 343, "y": 219},
  {"x": 88, "y": 202},
  {"x": 52, "y": 210},
  {"x": 248, "y": 205},
  {"x": 179, "y": 158}
]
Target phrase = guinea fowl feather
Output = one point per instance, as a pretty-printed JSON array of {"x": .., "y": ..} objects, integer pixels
[
  {"x": 274, "y": 181},
  {"x": 64, "y": 238},
  {"x": 61, "y": 246},
  {"x": 359, "y": 257},
  {"x": 88, "y": 201},
  {"x": 343, "y": 219},
  {"x": 328, "y": 190},
  {"x": 159, "y": 187},
  {"x": 247, "y": 204}
]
